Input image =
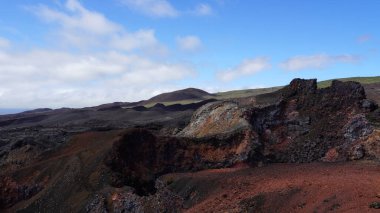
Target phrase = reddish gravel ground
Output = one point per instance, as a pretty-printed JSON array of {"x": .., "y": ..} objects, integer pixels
[{"x": 315, "y": 187}]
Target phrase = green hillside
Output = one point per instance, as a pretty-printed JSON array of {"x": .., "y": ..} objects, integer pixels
[
  {"x": 362, "y": 80},
  {"x": 245, "y": 93}
]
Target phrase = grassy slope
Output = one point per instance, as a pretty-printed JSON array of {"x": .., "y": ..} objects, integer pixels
[
  {"x": 254, "y": 92},
  {"x": 321, "y": 84},
  {"x": 362, "y": 80},
  {"x": 244, "y": 93}
]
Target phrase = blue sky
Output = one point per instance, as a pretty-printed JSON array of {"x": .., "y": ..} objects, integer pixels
[{"x": 75, "y": 53}]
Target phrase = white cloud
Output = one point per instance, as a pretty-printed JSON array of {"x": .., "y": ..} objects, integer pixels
[
  {"x": 80, "y": 27},
  {"x": 189, "y": 43},
  {"x": 77, "y": 80},
  {"x": 320, "y": 61},
  {"x": 139, "y": 39},
  {"x": 163, "y": 8},
  {"x": 155, "y": 8},
  {"x": 4, "y": 43},
  {"x": 246, "y": 68},
  {"x": 203, "y": 10},
  {"x": 115, "y": 67},
  {"x": 78, "y": 19}
]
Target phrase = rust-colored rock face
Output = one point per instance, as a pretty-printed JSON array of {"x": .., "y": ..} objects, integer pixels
[{"x": 139, "y": 156}]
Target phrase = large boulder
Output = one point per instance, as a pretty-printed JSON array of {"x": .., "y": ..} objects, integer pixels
[{"x": 216, "y": 119}]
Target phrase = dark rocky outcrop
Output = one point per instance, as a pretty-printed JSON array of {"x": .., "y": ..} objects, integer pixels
[
  {"x": 306, "y": 124},
  {"x": 125, "y": 200},
  {"x": 12, "y": 191},
  {"x": 22, "y": 146},
  {"x": 299, "y": 123}
]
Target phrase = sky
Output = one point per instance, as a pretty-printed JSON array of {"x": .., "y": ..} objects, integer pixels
[{"x": 77, "y": 53}]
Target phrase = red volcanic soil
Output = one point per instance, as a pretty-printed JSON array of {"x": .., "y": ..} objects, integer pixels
[
  {"x": 314, "y": 187},
  {"x": 66, "y": 179}
]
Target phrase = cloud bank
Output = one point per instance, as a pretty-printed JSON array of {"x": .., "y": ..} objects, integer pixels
[
  {"x": 155, "y": 8},
  {"x": 108, "y": 63},
  {"x": 164, "y": 9},
  {"x": 189, "y": 43},
  {"x": 320, "y": 61},
  {"x": 247, "y": 68}
]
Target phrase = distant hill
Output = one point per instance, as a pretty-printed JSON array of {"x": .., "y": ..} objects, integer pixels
[
  {"x": 6, "y": 111},
  {"x": 193, "y": 95},
  {"x": 37, "y": 110},
  {"x": 184, "y": 96}
]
